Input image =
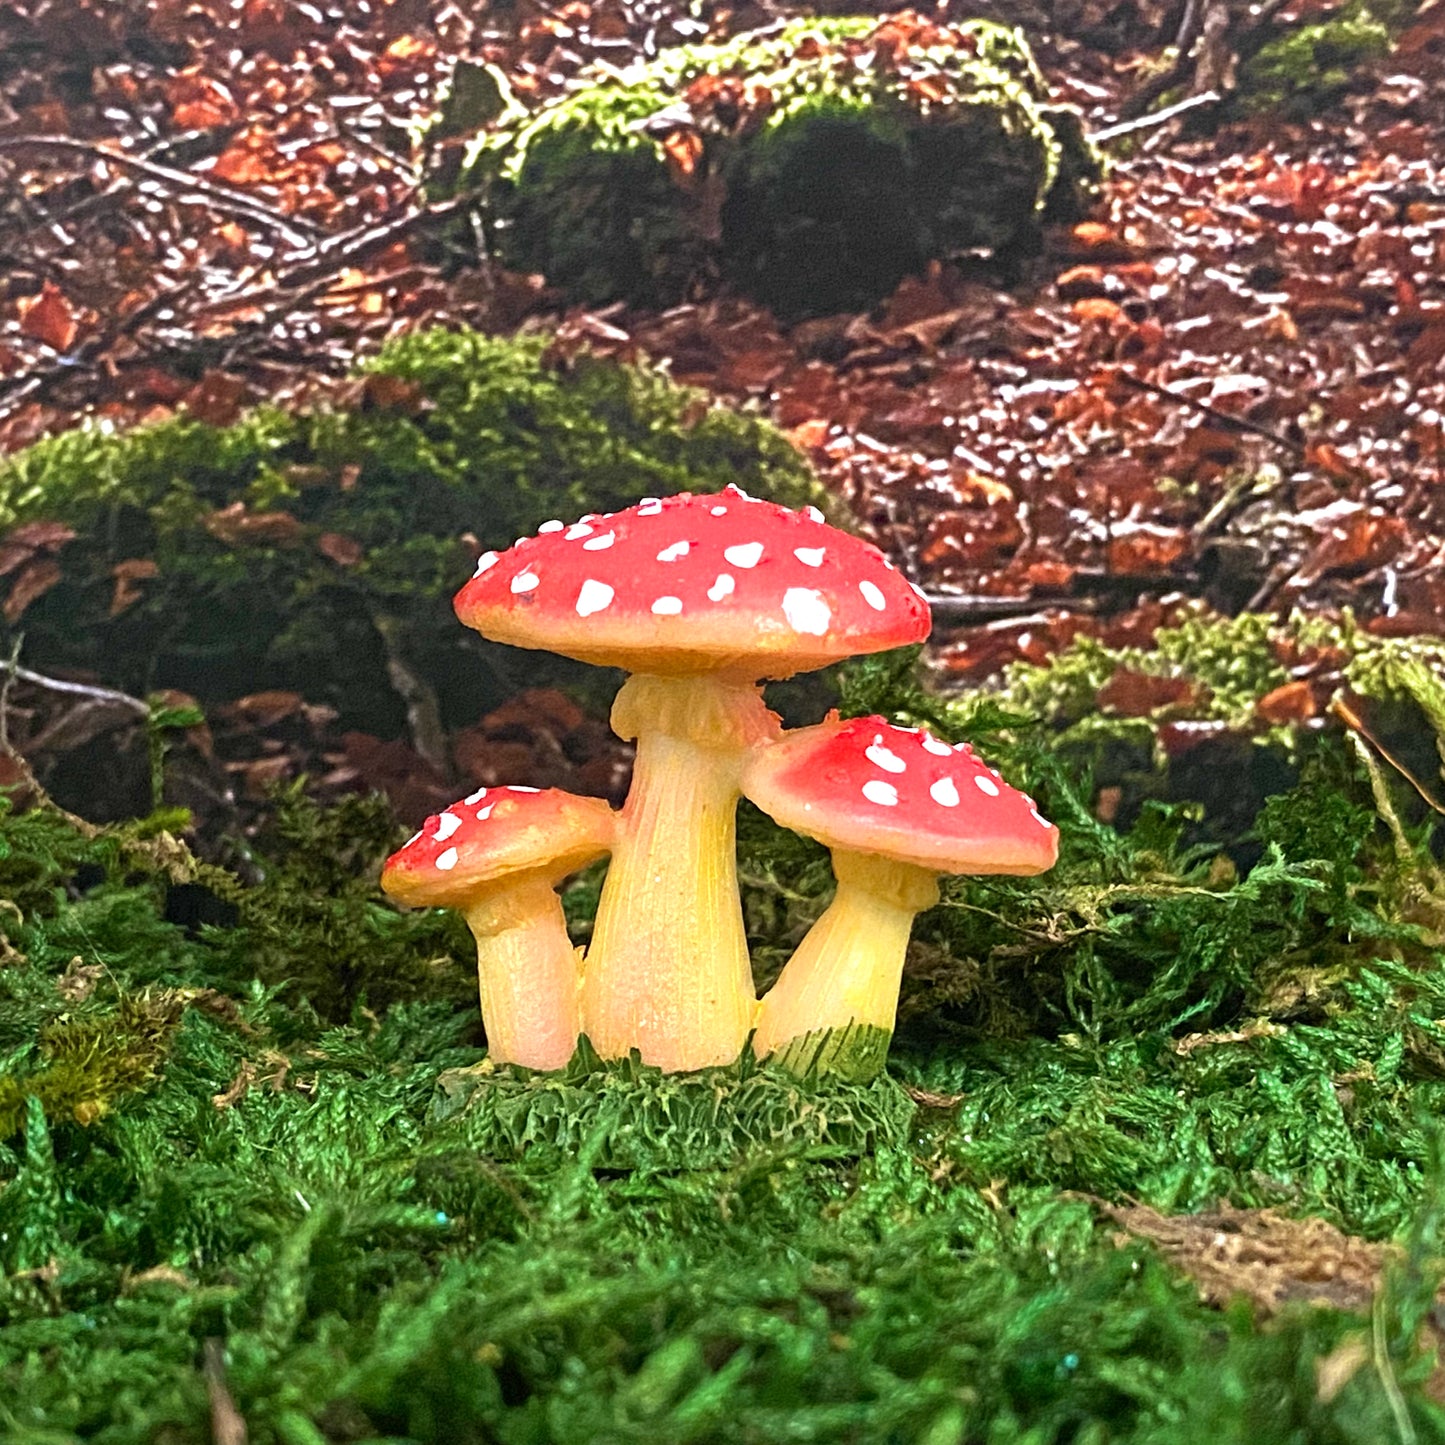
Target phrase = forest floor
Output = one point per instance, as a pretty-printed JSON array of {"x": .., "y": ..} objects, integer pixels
[{"x": 1157, "y": 1157}]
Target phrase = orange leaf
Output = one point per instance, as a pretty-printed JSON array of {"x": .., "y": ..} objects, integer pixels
[
  {"x": 683, "y": 149},
  {"x": 49, "y": 317},
  {"x": 127, "y": 574},
  {"x": 1294, "y": 702}
]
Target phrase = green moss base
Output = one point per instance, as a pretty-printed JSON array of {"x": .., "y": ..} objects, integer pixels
[
  {"x": 857, "y": 1053},
  {"x": 628, "y": 1116}
]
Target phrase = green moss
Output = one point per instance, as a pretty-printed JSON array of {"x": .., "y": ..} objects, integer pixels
[
  {"x": 456, "y": 434},
  {"x": 1309, "y": 68},
  {"x": 848, "y": 165},
  {"x": 629, "y": 1116},
  {"x": 610, "y": 1255}
]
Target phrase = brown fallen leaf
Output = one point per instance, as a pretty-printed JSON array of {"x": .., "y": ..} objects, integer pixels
[
  {"x": 236, "y": 524},
  {"x": 127, "y": 575},
  {"x": 49, "y": 317},
  {"x": 344, "y": 551},
  {"x": 35, "y": 579}
]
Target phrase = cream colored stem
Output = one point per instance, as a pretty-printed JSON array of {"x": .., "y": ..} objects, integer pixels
[
  {"x": 667, "y": 971},
  {"x": 527, "y": 973},
  {"x": 848, "y": 968}
]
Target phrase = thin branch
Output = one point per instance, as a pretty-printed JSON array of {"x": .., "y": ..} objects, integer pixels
[
  {"x": 15, "y": 673},
  {"x": 1154, "y": 118},
  {"x": 299, "y": 231},
  {"x": 1223, "y": 418}
]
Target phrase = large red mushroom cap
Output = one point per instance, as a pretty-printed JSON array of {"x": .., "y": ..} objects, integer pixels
[
  {"x": 696, "y": 584},
  {"x": 494, "y": 834},
  {"x": 865, "y": 785}
]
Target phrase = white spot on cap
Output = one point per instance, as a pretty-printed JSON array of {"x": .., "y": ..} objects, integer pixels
[
  {"x": 884, "y": 794},
  {"x": 518, "y": 788},
  {"x": 737, "y": 491},
  {"x": 577, "y": 529},
  {"x": 806, "y": 611},
  {"x": 718, "y": 511},
  {"x": 553, "y": 526},
  {"x": 415, "y": 837},
  {"x": 919, "y": 591},
  {"x": 448, "y": 860},
  {"x": 873, "y": 595},
  {"x": 484, "y": 813},
  {"x": 814, "y": 515},
  {"x": 723, "y": 587},
  {"x": 648, "y": 507},
  {"x": 593, "y": 597},
  {"x": 667, "y": 606},
  {"x": 985, "y": 785},
  {"x": 447, "y": 824},
  {"x": 598, "y": 544},
  {"x": 486, "y": 561},
  {"x": 880, "y": 757},
  {"x": 745, "y": 554},
  {"x": 944, "y": 793},
  {"x": 1039, "y": 818},
  {"x": 672, "y": 553},
  {"x": 810, "y": 556},
  {"x": 475, "y": 797},
  {"x": 525, "y": 581},
  {"x": 937, "y": 747}
]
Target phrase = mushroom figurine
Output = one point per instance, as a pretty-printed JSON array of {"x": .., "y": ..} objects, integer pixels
[
  {"x": 498, "y": 856},
  {"x": 896, "y": 807},
  {"x": 698, "y": 597}
]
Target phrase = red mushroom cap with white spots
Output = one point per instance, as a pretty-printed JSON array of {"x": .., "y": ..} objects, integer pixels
[
  {"x": 696, "y": 584},
  {"x": 867, "y": 786},
  {"x": 493, "y": 834}
]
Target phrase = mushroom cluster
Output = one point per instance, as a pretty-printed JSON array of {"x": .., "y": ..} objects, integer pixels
[{"x": 701, "y": 599}]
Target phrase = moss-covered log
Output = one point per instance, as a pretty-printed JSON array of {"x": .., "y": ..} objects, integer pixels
[
  {"x": 311, "y": 549},
  {"x": 813, "y": 167}
]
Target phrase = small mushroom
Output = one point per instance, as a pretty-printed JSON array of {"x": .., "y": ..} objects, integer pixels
[
  {"x": 698, "y": 597},
  {"x": 498, "y": 856},
  {"x": 897, "y": 808}
]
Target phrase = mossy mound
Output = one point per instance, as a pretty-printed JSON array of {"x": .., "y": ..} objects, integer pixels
[
  {"x": 812, "y": 167},
  {"x": 1307, "y": 69},
  {"x": 307, "y": 549}
]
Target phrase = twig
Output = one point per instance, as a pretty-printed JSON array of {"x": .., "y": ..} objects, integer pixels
[
  {"x": 15, "y": 673},
  {"x": 299, "y": 231},
  {"x": 28, "y": 782},
  {"x": 1234, "y": 423},
  {"x": 969, "y": 607},
  {"x": 228, "y": 1425},
  {"x": 423, "y": 711},
  {"x": 1155, "y": 117},
  {"x": 1356, "y": 724}
]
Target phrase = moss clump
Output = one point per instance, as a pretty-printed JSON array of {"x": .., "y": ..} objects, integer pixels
[
  {"x": 813, "y": 167},
  {"x": 1309, "y": 68},
  {"x": 304, "y": 549}
]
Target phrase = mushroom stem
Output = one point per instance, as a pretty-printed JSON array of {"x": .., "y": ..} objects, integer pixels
[
  {"x": 668, "y": 972},
  {"x": 527, "y": 973},
  {"x": 847, "y": 970}
]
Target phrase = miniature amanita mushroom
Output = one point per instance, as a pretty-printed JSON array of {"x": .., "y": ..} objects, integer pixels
[
  {"x": 698, "y": 597},
  {"x": 498, "y": 856},
  {"x": 896, "y": 807}
]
